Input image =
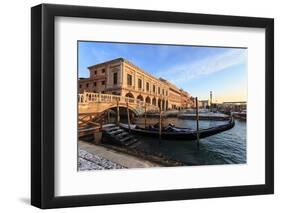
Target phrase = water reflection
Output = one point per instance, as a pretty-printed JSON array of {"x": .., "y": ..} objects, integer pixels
[{"x": 228, "y": 147}]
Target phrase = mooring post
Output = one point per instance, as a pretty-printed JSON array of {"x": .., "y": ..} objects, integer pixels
[
  {"x": 197, "y": 122},
  {"x": 128, "y": 116},
  {"x": 118, "y": 115},
  {"x": 145, "y": 115}
]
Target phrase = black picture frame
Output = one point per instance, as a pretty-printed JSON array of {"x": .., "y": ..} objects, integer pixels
[{"x": 43, "y": 105}]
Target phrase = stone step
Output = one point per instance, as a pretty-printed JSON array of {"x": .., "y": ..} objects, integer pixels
[
  {"x": 122, "y": 134},
  {"x": 131, "y": 142},
  {"x": 116, "y": 132},
  {"x": 126, "y": 138},
  {"x": 113, "y": 128}
]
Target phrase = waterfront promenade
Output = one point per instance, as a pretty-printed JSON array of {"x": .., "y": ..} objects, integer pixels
[{"x": 95, "y": 157}]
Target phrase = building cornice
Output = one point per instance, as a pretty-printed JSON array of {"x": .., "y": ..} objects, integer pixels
[
  {"x": 106, "y": 62},
  {"x": 159, "y": 80}
]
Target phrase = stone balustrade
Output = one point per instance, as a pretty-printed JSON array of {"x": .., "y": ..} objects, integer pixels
[{"x": 88, "y": 98}]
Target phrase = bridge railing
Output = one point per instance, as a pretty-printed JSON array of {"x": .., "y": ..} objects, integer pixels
[{"x": 89, "y": 97}]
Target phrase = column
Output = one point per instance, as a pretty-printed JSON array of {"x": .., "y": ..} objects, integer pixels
[{"x": 121, "y": 74}]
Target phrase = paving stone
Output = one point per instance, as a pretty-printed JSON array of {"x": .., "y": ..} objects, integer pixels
[{"x": 88, "y": 161}]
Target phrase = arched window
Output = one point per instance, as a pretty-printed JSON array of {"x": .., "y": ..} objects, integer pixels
[{"x": 147, "y": 100}]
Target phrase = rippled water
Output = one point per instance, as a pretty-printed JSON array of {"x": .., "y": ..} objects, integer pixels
[{"x": 228, "y": 147}]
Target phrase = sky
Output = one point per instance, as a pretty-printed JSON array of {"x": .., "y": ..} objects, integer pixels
[{"x": 196, "y": 69}]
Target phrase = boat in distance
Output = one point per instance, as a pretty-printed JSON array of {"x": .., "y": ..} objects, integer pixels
[{"x": 172, "y": 132}]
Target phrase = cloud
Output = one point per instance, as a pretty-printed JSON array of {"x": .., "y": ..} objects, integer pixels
[{"x": 209, "y": 65}]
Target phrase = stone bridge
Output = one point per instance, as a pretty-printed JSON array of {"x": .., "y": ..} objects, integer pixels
[{"x": 91, "y": 103}]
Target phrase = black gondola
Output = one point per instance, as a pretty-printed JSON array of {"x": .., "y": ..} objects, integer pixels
[{"x": 172, "y": 132}]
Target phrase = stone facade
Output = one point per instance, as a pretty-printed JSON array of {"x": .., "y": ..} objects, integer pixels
[
  {"x": 121, "y": 77},
  {"x": 203, "y": 104}
]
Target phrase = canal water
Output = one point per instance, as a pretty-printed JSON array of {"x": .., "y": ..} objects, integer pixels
[{"x": 228, "y": 147}]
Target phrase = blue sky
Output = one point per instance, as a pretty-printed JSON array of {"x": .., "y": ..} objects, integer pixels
[{"x": 196, "y": 69}]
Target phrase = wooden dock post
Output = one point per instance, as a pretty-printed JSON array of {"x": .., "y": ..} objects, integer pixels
[
  {"x": 128, "y": 116},
  {"x": 197, "y": 122},
  {"x": 118, "y": 115}
]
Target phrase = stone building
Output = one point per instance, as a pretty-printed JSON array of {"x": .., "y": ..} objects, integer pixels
[
  {"x": 203, "y": 104},
  {"x": 235, "y": 106},
  {"x": 121, "y": 77}
]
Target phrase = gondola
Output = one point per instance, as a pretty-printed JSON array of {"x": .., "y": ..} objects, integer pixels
[{"x": 172, "y": 132}]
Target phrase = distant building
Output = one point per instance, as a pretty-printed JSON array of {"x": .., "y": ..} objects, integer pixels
[
  {"x": 203, "y": 104},
  {"x": 236, "y": 106},
  {"x": 121, "y": 77}
]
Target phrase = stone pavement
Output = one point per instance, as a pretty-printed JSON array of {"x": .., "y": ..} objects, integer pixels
[
  {"x": 89, "y": 161},
  {"x": 93, "y": 156}
]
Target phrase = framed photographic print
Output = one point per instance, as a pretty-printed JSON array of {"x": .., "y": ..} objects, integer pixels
[{"x": 140, "y": 106}]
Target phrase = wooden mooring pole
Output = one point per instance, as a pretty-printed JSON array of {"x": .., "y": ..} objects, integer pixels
[
  {"x": 128, "y": 116},
  {"x": 197, "y": 122}
]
